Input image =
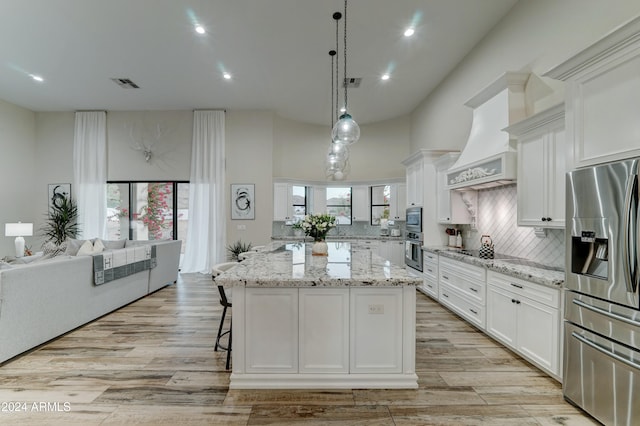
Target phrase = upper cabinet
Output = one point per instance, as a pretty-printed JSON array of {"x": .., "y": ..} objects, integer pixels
[
  {"x": 453, "y": 207},
  {"x": 360, "y": 210},
  {"x": 601, "y": 96},
  {"x": 542, "y": 164},
  {"x": 282, "y": 202},
  {"x": 398, "y": 205},
  {"x": 415, "y": 182}
]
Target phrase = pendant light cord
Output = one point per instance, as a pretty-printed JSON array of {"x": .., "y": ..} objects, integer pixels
[
  {"x": 337, "y": 17},
  {"x": 345, "y": 57}
]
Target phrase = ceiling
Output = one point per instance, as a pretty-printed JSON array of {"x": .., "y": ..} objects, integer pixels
[{"x": 276, "y": 51}]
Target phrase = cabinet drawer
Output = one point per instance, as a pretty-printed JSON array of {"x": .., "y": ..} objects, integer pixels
[
  {"x": 472, "y": 312},
  {"x": 539, "y": 293},
  {"x": 463, "y": 269},
  {"x": 428, "y": 256},
  {"x": 473, "y": 290},
  {"x": 430, "y": 286},
  {"x": 430, "y": 270}
]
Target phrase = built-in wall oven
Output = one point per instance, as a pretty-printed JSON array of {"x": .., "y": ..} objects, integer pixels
[
  {"x": 602, "y": 299},
  {"x": 413, "y": 241}
]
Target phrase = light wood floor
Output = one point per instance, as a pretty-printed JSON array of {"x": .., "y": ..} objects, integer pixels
[{"x": 152, "y": 362}]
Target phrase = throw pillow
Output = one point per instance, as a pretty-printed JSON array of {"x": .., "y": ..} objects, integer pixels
[
  {"x": 74, "y": 245},
  {"x": 87, "y": 249},
  {"x": 52, "y": 249}
]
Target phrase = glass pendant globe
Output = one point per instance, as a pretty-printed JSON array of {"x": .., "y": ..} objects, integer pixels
[
  {"x": 346, "y": 130},
  {"x": 339, "y": 151}
]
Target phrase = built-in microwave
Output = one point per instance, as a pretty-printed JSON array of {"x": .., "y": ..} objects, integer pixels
[{"x": 414, "y": 219}]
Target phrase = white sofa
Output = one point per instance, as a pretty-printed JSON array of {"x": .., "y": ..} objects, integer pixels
[{"x": 43, "y": 300}]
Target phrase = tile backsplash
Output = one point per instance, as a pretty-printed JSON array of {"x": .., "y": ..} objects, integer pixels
[{"x": 497, "y": 217}]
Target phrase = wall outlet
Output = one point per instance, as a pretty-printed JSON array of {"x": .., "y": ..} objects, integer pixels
[
  {"x": 376, "y": 309},
  {"x": 242, "y": 227}
]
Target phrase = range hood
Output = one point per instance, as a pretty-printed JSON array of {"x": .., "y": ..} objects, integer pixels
[{"x": 489, "y": 157}]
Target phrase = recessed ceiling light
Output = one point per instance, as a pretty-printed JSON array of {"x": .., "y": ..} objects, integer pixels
[
  {"x": 36, "y": 78},
  {"x": 409, "y": 32},
  {"x": 226, "y": 76},
  {"x": 200, "y": 29},
  {"x": 385, "y": 77}
]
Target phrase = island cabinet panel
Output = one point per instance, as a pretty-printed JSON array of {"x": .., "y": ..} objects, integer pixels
[
  {"x": 376, "y": 330},
  {"x": 271, "y": 339},
  {"x": 324, "y": 330}
]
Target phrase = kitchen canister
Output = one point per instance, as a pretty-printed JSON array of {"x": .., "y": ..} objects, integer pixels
[{"x": 486, "y": 247}]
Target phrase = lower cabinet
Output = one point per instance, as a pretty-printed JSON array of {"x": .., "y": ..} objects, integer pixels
[
  {"x": 462, "y": 289},
  {"x": 525, "y": 317},
  {"x": 326, "y": 330},
  {"x": 430, "y": 274}
]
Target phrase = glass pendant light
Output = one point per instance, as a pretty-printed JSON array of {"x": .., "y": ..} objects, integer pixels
[{"x": 345, "y": 130}]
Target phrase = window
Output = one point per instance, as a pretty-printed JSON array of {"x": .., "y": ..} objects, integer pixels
[
  {"x": 380, "y": 203},
  {"x": 299, "y": 200},
  {"x": 148, "y": 210},
  {"x": 339, "y": 204}
]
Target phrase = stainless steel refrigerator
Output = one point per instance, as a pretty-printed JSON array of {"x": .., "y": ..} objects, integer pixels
[{"x": 602, "y": 303}]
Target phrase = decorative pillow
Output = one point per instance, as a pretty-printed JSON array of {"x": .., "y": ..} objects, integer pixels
[
  {"x": 87, "y": 249},
  {"x": 74, "y": 245},
  {"x": 52, "y": 249}
]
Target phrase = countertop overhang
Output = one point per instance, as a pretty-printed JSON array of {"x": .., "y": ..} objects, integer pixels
[{"x": 349, "y": 264}]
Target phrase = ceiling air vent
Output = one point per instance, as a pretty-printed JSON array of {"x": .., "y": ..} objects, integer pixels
[
  {"x": 125, "y": 83},
  {"x": 353, "y": 82}
]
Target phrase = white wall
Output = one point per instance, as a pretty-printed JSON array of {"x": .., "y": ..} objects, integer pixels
[
  {"x": 249, "y": 148},
  {"x": 535, "y": 36},
  {"x": 17, "y": 172},
  {"x": 300, "y": 150}
]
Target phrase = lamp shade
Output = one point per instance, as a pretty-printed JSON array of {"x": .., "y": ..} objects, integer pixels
[{"x": 18, "y": 229}]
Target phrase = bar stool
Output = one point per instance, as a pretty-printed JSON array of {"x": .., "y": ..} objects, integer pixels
[{"x": 225, "y": 301}]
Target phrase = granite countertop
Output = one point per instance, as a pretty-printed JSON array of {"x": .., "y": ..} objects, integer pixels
[
  {"x": 282, "y": 264},
  {"x": 339, "y": 238},
  {"x": 508, "y": 265}
]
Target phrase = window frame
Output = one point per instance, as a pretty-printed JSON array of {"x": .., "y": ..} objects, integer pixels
[
  {"x": 372, "y": 205},
  {"x": 327, "y": 205}
]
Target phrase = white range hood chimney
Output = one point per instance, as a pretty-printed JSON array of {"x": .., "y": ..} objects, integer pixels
[{"x": 489, "y": 157}]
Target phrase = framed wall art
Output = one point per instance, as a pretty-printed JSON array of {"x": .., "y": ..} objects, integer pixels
[
  {"x": 242, "y": 201},
  {"x": 57, "y": 193}
]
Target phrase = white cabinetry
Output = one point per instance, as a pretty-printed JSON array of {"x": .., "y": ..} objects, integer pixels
[
  {"x": 601, "y": 97},
  {"x": 282, "y": 202},
  {"x": 376, "y": 330},
  {"x": 462, "y": 288},
  {"x": 360, "y": 203},
  {"x": 415, "y": 183},
  {"x": 525, "y": 317},
  {"x": 542, "y": 164},
  {"x": 324, "y": 349},
  {"x": 429, "y": 274},
  {"x": 455, "y": 207},
  {"x": 272, "y": 328},
  {"x": 398, "y": 204}
]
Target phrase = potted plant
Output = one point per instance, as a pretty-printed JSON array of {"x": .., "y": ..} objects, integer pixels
[
  {"x": 236, "y": 248},
  {"x": 317, "y": 226},
  {"x": 62, "y": 222}
]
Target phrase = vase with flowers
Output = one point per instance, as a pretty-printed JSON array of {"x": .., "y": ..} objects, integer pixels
[{"x": 317, "y": 226}]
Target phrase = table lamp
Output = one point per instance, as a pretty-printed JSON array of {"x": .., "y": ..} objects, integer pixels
[{"x": 18, "y": 230}]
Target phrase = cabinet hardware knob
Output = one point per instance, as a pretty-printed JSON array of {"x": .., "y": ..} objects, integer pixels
[
  {"x": 475, "y": 312},
  {"x": 473, "y": 289},
  {"x": 516, "y": 285},
  {"x": 445, "y": 277},
  {"x": 544, "y": 219},
  {"x": 548, "y": 219},
  {"x": 445, "y": 295},
  {"x": 517, "y": 302},
  {"x": 429, "y": 270},
  {"x": 513, "y": 300}
]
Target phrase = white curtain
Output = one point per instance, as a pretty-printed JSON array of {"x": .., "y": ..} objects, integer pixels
[
  {"x": 207, "y": 221},
  {"x": 90, "y": 173}
]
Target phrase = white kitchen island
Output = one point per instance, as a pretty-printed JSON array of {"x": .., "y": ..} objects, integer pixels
[{"x": 346, "y": 320}]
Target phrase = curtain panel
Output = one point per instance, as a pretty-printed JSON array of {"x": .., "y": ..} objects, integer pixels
[
  {"x": 206, "y": 235},
  {"x": 90, "y": 172}
]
